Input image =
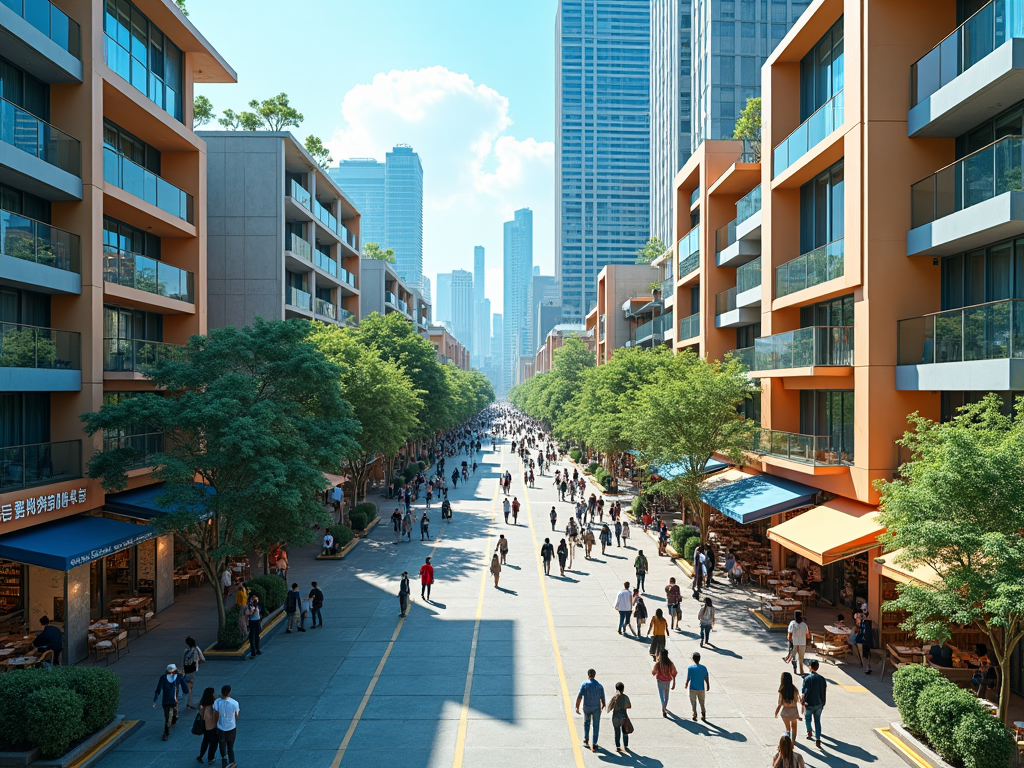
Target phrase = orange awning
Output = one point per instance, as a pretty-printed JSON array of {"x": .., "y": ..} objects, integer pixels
[
  {"x": 904, "y": 573},
  {"x": 835, "y": 530},
  {"x": 335, "y": 479}
]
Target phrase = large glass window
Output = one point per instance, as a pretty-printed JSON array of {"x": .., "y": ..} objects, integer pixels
[
  {"x": 953, "y": 401},
  {"x": 131, "y": 146},
  {"x": 987, "y": 274},
  {"x": 24, "y": 418},
  {"x": 124, "y": 238},
  {"x": 829, "y": 413},
  {"x": 122, "y": 323},
  {"x": 821, "y": 71},
  {"x": 19, "y": 87},
  {"x": 836, "y": 312},
  {"x": 16, "y": 201},
  {"x": 822, "y": 209}
]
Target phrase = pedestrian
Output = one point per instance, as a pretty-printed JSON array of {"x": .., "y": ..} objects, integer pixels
[
  {"x": 618, "y": 534},
  {"x": 812, "y": 696},
  {"x": 507, "y": 508},
  {"x": 665, "y": 673},
  {"x": 328, "y": 544},
  {"x": 227, "y": 726},
  {"x": 785, "y": 756},
  {"x": 282, "y": 564},
  {"x": 226, "y": 581},
  {"x": 424, "y": 527},
  {"x": 624, "y": 605},
  {"x": 546, "y": 553},
  {"x": 254, "y": 613},
  {"x": 407, "y": 526},
  {"x": 621, "y": 724},
  {"x": 674, "y": 598},
  {"x": 563, "y": 555},
  {"x": 606, "y": 537},
  {"x": 658, "y": 630},
  {"x": 625, "y": 534},
  {"x": 699, "y": 683},
  {"x": 167, "y": 688},
  {"x": 495, "y": 569},
  {"x": 190, "y": 661},
  {"x": 789, "y": 704},
  {"x": 554, "y": 518},
  {"x": 698, "y": 572},
  {"x": 502, "y": 548},
  {"x": 796, "y": 633},
  {"x": 426, "y": 579},
  {"x": 865, "y": 638},
  {"x": 639, "y": 611},
  {"x": 591, "y": 695},
  {"x": 641, "y": 566},
  {"x": 396, "y": 524},
  {"x": 706, "y": 618},
  {"x": 316, "y": 602},
  {"x": 292, "y": 606},
  {"x": 403, "y": 594},
  {"x": 209, "y": 743},
  {"x": 515, "y": 511}
]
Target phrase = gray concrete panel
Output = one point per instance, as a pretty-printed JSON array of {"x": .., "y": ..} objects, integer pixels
[
  {"x": 966, "y": 376},
  {"x": 28, "y": 275},
  {"x": 39, "y": 380},
  {"x": 981, "y": 224}
]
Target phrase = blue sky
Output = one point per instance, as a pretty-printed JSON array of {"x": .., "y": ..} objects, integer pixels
[{"x": 468, "y": 83}]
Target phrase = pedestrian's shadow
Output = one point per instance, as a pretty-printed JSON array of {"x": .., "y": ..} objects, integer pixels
[
  {"x": 595, "y": 560},
  {"x": 629, "y": 758},
  {"x": 507, "y": 591},
  {"x": 616, "y": 557},
  {"x": 654, "y": 598},
  {"x": 723, "y": 651},
  {"x": 706, "y": 729},
  {"x": 857, "y": 753},
  {"x": 579, "y": 573},
  {"x": 567, "y": 578},
  {"x": 513, "y": 567}
]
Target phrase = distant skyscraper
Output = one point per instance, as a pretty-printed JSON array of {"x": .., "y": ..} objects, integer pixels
[
  {"x": 518, "y": 270},
  {"x": 482, "y": 318},
  {"x": 403, "y": 212},
  {"x": 443, "y": 299},
  {"x": 543, "y": 289},
  {"x": 463, "y": 306},
  {"x": 498, "y": 355},
  {"x": 602, "y": 142},
  {"x": 362, "y": 181}
]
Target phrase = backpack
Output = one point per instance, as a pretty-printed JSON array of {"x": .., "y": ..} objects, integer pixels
[{"x": 190, "y": 662}]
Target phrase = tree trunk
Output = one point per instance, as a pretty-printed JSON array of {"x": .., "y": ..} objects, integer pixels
[{"x": 218, "y": 591}]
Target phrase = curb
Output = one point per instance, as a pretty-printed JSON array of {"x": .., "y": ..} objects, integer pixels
[
  {"x": 369, "y": 527},
  {"x": 93, "y": 749},
  {"x": 238, "y": 654},
  {"x": 903, "y": 745}
]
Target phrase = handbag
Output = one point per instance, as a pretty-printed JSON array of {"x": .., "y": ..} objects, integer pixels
[
  {"x": 199, "y": 725},
  {"x": 627, "y": 726}
]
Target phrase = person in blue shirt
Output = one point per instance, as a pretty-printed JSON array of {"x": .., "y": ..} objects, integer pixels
[
  {"x": 813, "y": 698},
  {"x": 699, "y": 683},
  {"x": 591, "y": 695},
  {"x": 167, "y": 687},
  {"x": 49, "y": 639}
]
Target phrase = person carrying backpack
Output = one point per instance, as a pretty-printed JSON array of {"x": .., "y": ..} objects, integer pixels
[
  {"x": 190, "y": 665},
  {"x": 292, "y": 604}
]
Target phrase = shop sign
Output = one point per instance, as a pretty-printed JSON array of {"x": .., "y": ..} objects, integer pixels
[
  {"x": 110, "y": 549},
  {"x": 21, "y": 509}
]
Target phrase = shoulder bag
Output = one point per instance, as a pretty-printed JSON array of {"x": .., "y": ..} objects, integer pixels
[
  {"x": 627, "y": 725},
  {"x": 199, "y": 725}
]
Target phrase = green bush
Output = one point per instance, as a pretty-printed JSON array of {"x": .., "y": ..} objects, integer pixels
[
  {"x": 358, "y": 519},
  {"x": 271, "y": 589},
  {"x": 592, "y": 467},
  {"x": 690, "y": 547},
  {"x": 342, "y": 534},
  {"x": 99, "y": 688},
  {"x": 409, "y": 472},
  {"x": 229, "y": 637},
  {"x": 575, "y": 454},
  {"x": 907, "y": 683},
  {"x": 53, "y": 719},
  {"x": 940, "y": 707},
  {"x": 367, "y": 508},
  {"x": 638, "y": 506},
  {"x": 680, "y": 534},
  {"x": 983, "y": 742},
  {"x": 14, "y": 689}
]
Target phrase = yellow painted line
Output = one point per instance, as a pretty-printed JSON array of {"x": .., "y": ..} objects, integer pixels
[
  {"x": 854, "y": 688},
  {"x": 901, "y": 747},
  {"x": 577, "y": 751}
]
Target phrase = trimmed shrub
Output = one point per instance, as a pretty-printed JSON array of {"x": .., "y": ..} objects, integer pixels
[
  {"x": 592, "y": 467},
  {"x": 358, "y": 519},
  {"x": 229, "y": 637},
  {"x": 14, "y": 689},
  {"x": 680, "y": 534},
  {"x": 690, "y": 547},
  {"x": 940, "y": 707},
  {"x": 983, "y": 742},
  {"x": 575, "y": 454},
  {"x": 638, "y": 506},
  {"x": 409, "y": 472},
  {"x": 99, "y": 688},
  {"x": 342, "y": 534},
  {"x": 907, "y": 683},
  {"x": 53, "y": 719},
  {"x": 367, "y": 508},
  {"x": 271, "y": 589}
]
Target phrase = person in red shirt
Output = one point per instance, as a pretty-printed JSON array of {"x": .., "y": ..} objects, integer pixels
[{"x": 426, "y": 579}]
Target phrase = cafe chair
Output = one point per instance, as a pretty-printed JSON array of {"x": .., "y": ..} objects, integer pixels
[
  {"x": 46, "y": 660},
  {"x": 828, "y": 649},
  {"x": 135, "y": 624},
  {"x": 106, "y": 648}
]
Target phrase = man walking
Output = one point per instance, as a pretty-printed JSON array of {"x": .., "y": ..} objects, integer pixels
[
  {"x": 227, "y": 725},
  {"x": 674, "y": 598},
  {"x": 424, "y": 527},
  {"x": 591, "y": 695},
  {"x": 167, "y": 688},
  {"x": 813, "y": 698},
  {"x": 624, "y": 605},
  {"x": 507, "y": 508},
  {"x": 502, "y": 548},
  {"x": 554, "y": 518},
  {"x": 796, "y": 633},
  {"x": 403, "y": 594},
  {"x": 515, "y": 511},
  {"x": 292, "y": 604},
  {"x": 699, "y": 683},
  {"x": 316, "y": 602},
  {"x": 640, "y": 565},
  {"x": 546, "y": 553},
  {"x": 426, "y": 579}
]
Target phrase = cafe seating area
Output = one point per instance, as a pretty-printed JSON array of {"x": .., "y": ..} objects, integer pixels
[
  {"x": 17, "y": 651},
  {"x": 109, "y": 637}
]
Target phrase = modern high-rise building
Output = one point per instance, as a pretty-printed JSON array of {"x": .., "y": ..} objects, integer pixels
[
  {"x": 518, "y": 271},
  {"x": 463, "y": 307},
  {"x": 443, "y": 299},
  {"x": 543, "y": 290},
  {"x": 482, "y": 318},
  {"x": 362, "y": 180},
  {"x": 602, "y": 142},
  {"x": 498, "y": 355},
  {"x": 403, "y": 212}
]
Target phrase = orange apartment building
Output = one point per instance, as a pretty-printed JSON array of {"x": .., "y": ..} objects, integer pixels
[
  {"x": 449, "y": 349},
  {"x": 102, "y": 266},
  {"x": 557, "y": 336}
]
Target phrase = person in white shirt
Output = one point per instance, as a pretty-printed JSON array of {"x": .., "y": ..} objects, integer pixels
[
  {"x": 227, "y": 726},
  {"x": 226, "y": 580},
  {"x": 797, "y": 635},
  {"x": 328, "y": 543},
  {"x": 624, "y": 605}
]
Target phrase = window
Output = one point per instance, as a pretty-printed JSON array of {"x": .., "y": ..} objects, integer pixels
[
  {"x": 1006, "y": 123},
  {"x": 836, "y": 312},
  {"x": 20, "y": 88},
  {"x": 132, "y": 324},
  {"x": 24, "y": 418},
  {"x": 987, "y": 274},
  {"x": 132, "y": 147},
  {"x": 821, "y": 209},
  {"x": 123, "y": 238},
  {"x": 16, "y": 201},
  {"x": 821, "y": 71},
  {"x": 830, "y": 414}
]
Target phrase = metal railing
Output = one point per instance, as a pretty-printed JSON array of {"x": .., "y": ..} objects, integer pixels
[
  {"x": 133, "y": 355},
  {"x": 992, "y": 331},
  {"x": 805, "y": 348},
  {"x": 725, "y": 236},
  {"x": 144, "y": 446},
  {"x": 990, "y": 27},
  {"x": 809, "y": 134},
  {"x": 298, "y": 298},
  {"x": 23, "y": 130},
  {"x": 31, "y": 240},
  {"x": 818, "y": 450},
  {"x": 812, "y": 268},
  {"x": 24, "y": 466},
  {"x": 299, "y": 247},
  {"x": 689, "y": 252},
  {"x": 748, "y": 205},
  {"x": 325, "y": 308},
  {"x": 299, "y": 193},
  {"x": 51, "y": 21},
  {"x": 31, "y": 346},
  {"x": 145, "y": 274},
  {"x": 980, "y": 176},
  {"x": 325, "y": 262},
  {"x": 128, "y": 175},
  {"x": 689, "y": 327},
  {"x": 748, "y": 276}
]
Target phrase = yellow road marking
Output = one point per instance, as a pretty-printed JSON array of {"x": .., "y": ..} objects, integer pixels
[
  {"x": 853, "y": 688},
  {"x": 902, "y": 748}
]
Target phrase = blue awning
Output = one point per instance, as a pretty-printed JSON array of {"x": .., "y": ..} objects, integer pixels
[
  {"x": 140, "y": 503},
  {"x": 64, "y": 544},
  {"x": 755, "y": 497},
  {"x": 669, "y": 471}
]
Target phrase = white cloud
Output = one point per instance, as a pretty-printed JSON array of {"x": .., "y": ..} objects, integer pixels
[{"x": 475, "y": 171}]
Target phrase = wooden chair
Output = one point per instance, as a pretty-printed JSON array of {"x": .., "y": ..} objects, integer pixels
[
  {"x": 46, "y": 659},
  {"x": 827, "y": 649},
  {"x": 135, "y": 624},
  {"x": 115, "y": 646}
]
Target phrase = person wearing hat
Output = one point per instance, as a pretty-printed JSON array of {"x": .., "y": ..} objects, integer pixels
[
  {"x": 168, "y": 686},
  {"x": 403, "y": 594}
]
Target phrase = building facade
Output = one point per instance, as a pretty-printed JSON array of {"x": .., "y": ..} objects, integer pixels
[
  {"x": 384, "y": 292},
  {"x": 463, "y": 307},
  {"x": 482, "y": 317},
  {"x": 450, "y": 351},
  {"x": 498, "y": 355},
  {"x": 362, "y": 180},
  {"x": 443, "y": 299},
  {"x": 518, "y": 272},
  {"x": 403, "y": 212},
  {"x": 602, "y": 142}
]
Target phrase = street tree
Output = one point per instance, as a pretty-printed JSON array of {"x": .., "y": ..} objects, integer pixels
[
  {"x": 374, "y": 251},
  {"x": 320, "y": 154},
  {"x": 202, "y": 112},
  {"x": 240, "y": 121},
  {"x": 653, "y": 248},
  {"x": 958, "y": 509},
  {"x": 273, "y": 114},
  {"x": 748, "y": 126},
  {"x": 251, "y": 419}
]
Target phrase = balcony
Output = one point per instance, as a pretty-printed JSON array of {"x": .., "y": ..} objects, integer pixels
[
  {"x": 325, "y": 262},
  {"x": 812, "y": 131},
  {"x": 728, "y": 314},
  {"x": 345, "y": 317},
  {"x": 390, "y": 298},
  {"x": 36, "y": 256},
  {"x": 125, "y": 174},
  {"x": 349, "y": 237},
  {"x": 346, "y": 277},
  {"x": 133, "y": 355},
  {"x": 694, "y": 197},
  {"x": 803, "y": 351},
  {"x": 652, "y": 332},
  {"x": 325, "y": 217},
  {"x": 298, "y": 298},
  {"x": 402, "y": 307},
  {"x": 35, "y": 359},
  {"x": 975, "y": 348},
  {"x": 145, "y": 446},
  {"x": 815, "y": 450},
  {"x": 974, "y": 71},
  {"x": 745, "y": 355},
  {"x": 142, "y": 273},
  {"x": 325, "y": 308},
  {"x": 36, "y": 157},
  {"x": 299, "y": 194},
  {"x": 689, "y": 253},
  {"x": 689, "y": 327},
  {"x": 299, "y": 248},
  {"x": 42, "y": 39},
  {"x": 28, "y": 466},
  {"x": 812, "y": 268},
  {"x": 988, "y": 182}
]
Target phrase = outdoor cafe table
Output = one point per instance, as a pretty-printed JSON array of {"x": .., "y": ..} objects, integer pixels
[
  {"x": 788, "y": 606},
  {"x": 789, "y": 590},
  {"x": 22, "y": 662},
  {"x": 906, "y": 652},
  {"x": 838, "y": 631},
  {"x": 18, "y": 642}
]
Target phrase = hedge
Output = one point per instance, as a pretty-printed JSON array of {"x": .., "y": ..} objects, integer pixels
[
  {"x": 907, "y": 684},
  {"x": 54, "y": 720},
  {"x": 690, "y": 547},
  {"x": 342, "y": 534},
  {"x": 983, "y": 742},
  {"x": 680, "y": 534},
  {"x": 229, "y": 636},
  {"x": 592, "y": 467},
  {"x": 638, "y": 506},
  {"x": 941, "y": 707},
  {"x": 575, "y": 454},
  {"x": 361, "y": 515},
  {"x": 271, "y": 589}
]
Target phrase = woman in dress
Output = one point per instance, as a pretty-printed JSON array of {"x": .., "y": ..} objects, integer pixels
[
  {"x": 618, "y": 706},
  {"x": 788, "y": 708}
]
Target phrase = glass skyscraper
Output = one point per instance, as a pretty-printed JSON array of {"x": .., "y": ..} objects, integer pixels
[
  {"x": 602, "y": 143},
  {"x": 362, "y": 181},
  {"x": 403, "y": 212},
  {"x": 518, "y": 271}
]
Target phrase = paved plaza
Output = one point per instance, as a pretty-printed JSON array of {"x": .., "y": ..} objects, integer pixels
[{"x": 484, "y": 676}]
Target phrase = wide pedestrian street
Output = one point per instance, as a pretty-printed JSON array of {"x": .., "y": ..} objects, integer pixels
[{"x": 483, "y": 676}]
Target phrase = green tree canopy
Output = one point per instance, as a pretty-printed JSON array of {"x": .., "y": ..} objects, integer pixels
[
  {"x": 273, "y": 114},
  {"x": 202, "y": 111},
  {"x": 320, "y": 154},
  {"x": 652, "y": 249},
  {"x": 374, "y": 251},
  {"x": 748, "y": 126},
  {"x": 547, "y": 396},
  {"x": 958, "y": 508}
]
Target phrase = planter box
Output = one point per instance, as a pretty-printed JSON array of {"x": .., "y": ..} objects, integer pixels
[
  {"x": 83, "y": 755},
  {"x": 369, "y": 527},
  {"x": 270, "y": 623},
  {"x": 912, "y": 750},
  {"x": 344, "y": 550}
]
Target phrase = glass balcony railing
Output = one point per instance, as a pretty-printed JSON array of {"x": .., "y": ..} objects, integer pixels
[
  {"x": 668, "y": 287},
  {"x": 689, "y": 327},
  {"x": 299, "y": 247},
  {"x": 298, "y": 298},
  {"x": 805, "y": 348},
  {"x": 811, "y": 132},
  {"x": 145, "y": 447},
  {"x": 976, "y": 38},
  {"x": 51, "y": 21},
  {"x": 751, "y": 152},
  {"x": 402, "y": 306},
  {"x": 745, "y": 355},
  {"x": 25, "y": 466},
  {"x": 813, "y": 268},
  {"x": 980, "y": 176},
  {"x": 818, "y": 450},
  {"x": 325, "y": 262},
  {"x": 302, "y": 197},
  {"x": 30, "y": 346},
  {"x": 346, "y": 276},
  {"x": 725, "y": 236},
  {"x": 145, "y": 274},
  {"x": 689, "y": 252},
  {"x": 390, "y": 298},
  {"x": 346, "y": 317},
  {"x": 748, "y": 276},
  {"x": 125, "y": 174},
  {"x": 133, "y": 355},
  {"x": 325, "y": 217},
  {"x": 349, "y": 237},
  {"x": 325, "y": 308},
  {"x": 31, "y": 240},
  {"x": 748, "y": 205},
  {"x": 655, "y": 328},
  {"x": 725, "y": 301},
  {"x": 24, "y": 131},
  {"x": 993, "y": 331},
  {"x": 694, "y": 196}
]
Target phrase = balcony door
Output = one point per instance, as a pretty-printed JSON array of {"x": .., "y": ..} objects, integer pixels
[{"x": 829, "y": 414}]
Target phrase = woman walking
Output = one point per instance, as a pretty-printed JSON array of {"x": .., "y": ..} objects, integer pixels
[
  {"x": 625, "y": 534},
  {"x": 639, "y": 611},
  {"x": 706, "y": 617},
  {"x": 658, "y": 628},
  {"x": 618, "y": 706},
  {"x": 495, "y": 568},
  {"x": 665, "y": 673},
  {"x": 606, "y": 537},
  {"x": 563, "y": 555},
  {"x": 786, "y": 757},
  {"x": 210, "y": 740},
  {"x": 788, "y": 706}
]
